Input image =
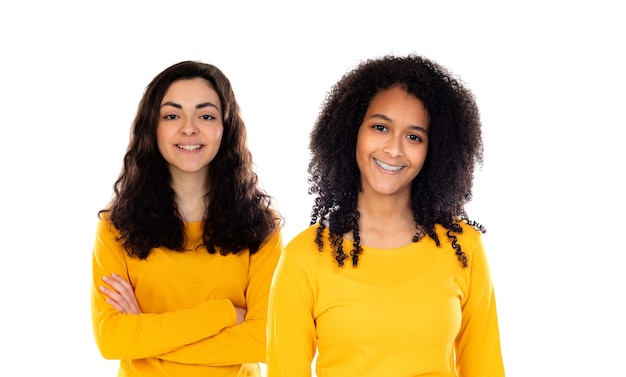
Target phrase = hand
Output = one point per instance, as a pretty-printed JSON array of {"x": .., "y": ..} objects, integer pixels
[
  {"x": 241, "y": 314},
  {"x": 120, "y": 294}
]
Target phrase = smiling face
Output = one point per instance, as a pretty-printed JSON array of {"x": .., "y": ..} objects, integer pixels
[
  {"x": 392, "y": 143},
  {"x": 190, "y": 126}
]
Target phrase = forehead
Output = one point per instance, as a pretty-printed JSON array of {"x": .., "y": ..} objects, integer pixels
[
  {"x": 393, "y": 93},
  {"x": 397, "y": 102},
  {"x": 193, "y": 90}
]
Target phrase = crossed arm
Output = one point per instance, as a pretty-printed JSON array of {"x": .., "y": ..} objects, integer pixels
[
  {"x": 122, "y": 296},
  {"x": 213, "y": 332}
]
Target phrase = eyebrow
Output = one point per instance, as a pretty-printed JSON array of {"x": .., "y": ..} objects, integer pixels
[
  {"x": 386, "y": 118},
  {"x": 198, "y": 106}
]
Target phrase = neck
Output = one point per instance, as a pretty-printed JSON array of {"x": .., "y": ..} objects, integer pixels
[
  {"x": 385, "y": 222},
  {"x": 190, "y": 191},
  {"x": 385, "y": 207}
]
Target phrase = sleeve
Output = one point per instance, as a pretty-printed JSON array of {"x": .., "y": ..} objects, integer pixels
[
  {"x": 291, "y": 334},
  {"x": 478, "y": 342},
  {"x": 124, "y": 336},
  {"x": 243, "y": 343}
]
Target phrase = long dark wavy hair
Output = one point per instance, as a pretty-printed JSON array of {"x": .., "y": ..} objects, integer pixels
[
  {"x": 440, "y": 191},
  {"x": 239, "y": 214}
]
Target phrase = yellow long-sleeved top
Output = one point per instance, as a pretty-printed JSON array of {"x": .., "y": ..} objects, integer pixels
[
  {"x": 408, "y": 311},
  {"x": 188, "y": 321}
]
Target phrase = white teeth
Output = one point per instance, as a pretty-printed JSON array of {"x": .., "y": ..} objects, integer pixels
[
  {"x": 388, "y": 167},
  {"x": 189, "y": 147}
]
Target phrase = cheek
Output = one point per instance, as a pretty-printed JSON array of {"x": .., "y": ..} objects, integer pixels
[
  {"x": 420, "y": 157},
  {"x": 161, "y": 138},
  {"x": 215, "y": 133},
  {"x": 361, "y": 154}
]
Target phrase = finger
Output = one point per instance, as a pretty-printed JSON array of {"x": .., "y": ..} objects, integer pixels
[
  {"x": 114, "y": 299},
  {"x": 122, "y": 288},
  {"x": 123, "y": 295},
  {"x": 119, "y": 284}
]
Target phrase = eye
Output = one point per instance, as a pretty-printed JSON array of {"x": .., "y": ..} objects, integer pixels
[
  {"x": 207, "y": 117},
  {"x": 414, "y": 137},
  {"x": 170, "y": 116},
  {"x": 379, "y": 127}
]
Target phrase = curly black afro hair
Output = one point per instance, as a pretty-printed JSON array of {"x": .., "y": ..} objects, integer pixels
[{"x": 444, "y": 185}]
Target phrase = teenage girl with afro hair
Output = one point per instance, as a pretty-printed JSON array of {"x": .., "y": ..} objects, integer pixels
[{"x": 391, "y": 278}]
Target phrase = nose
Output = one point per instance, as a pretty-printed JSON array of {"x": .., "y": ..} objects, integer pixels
[
  {"x": 189, "y": 128},
  {"x": 393, "y": 146}
]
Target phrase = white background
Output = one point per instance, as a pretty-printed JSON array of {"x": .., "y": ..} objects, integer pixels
[{"x": 548, "y": 77}]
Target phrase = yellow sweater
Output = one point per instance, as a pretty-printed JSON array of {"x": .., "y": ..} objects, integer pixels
[
  {"x": 409, "y": 311},
  {"x": 188, "y": 321}
]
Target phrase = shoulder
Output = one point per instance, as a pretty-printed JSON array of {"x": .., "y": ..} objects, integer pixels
[
  {"x": 305, "y": 238},
  {"x": 469, "y": 232},
  {"x": 108, "y": 240},
  {"x": 303, "y": 245},
  {"x": 470, "y": 239},
  {"x": 274, "y": 243},
  {"x": 105, "y": 226}
]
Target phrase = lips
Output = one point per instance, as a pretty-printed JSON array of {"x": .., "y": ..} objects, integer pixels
[
  {"x": 386, "y": 167},
  {"x": 189, "y": 147}
]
